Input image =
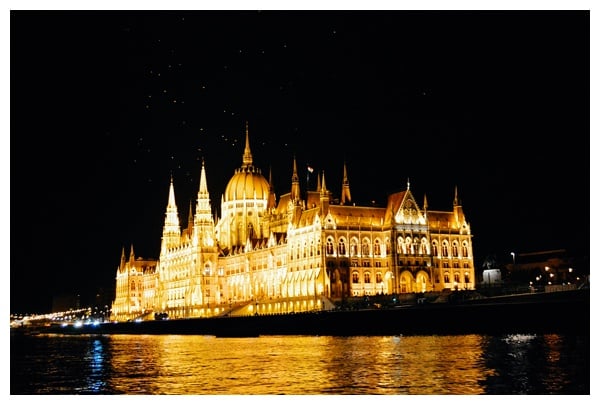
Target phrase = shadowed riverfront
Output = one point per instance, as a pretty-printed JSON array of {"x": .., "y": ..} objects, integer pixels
[{"x": 559, "y": 312}]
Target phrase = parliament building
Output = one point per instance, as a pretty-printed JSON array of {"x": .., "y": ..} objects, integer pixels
[{"x": 303, "y": 251}]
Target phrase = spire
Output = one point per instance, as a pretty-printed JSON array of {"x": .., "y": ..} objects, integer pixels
[
  {"x": 172, "y": 217},
  {"x": 456, "y": 195},
  {"x": 295, "y": 193},
  {"x": 203, "y": 187},
  {"x": 131, "y": 254},
  {"x": 407, "y": 183},
  {"x": 425, "y": 202},
  {"x": 318, "y": 182},
  {"x": 346, "y": 198},
  {"x": 190, "y": 221},
  {"x": 171, "y": 230},
  {"x": 247, "y": 157},
  {"x": 204, "y": 226},
  {"x": 203, "y": 208},
  {"x": 271, "y": 203},
  {"x": 323, "y": 186},
  {"x": 324, "y": 197},
  {"x": 171, "y": 201},
  {"x": 295, "y": 171},
  {"x": 123, "y": 259}
]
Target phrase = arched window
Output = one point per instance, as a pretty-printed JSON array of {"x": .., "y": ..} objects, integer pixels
[
  {"x": 435, "y": 248},
  {"x": 454, "y": 249},
  {"x": 365, "y": 247},
  {"x": 445, "y": 249},
  {"x": 378, "y": 277},
  {"x": 403, "y": 284},
  {"x": 367, "y": 277},
  {"x": 376, "y": 248},
  {"x": 446, "y": 277},
  {"x": 355, "y": 277},
  {"x": 456, "y": 277},
  {"x": 467, "y": 279},
  {"x": 353, "y": 244},
  {"x": 329, "y": 246},
  {"x": 401, "y": 247},
  {"x": 250, "y": 231},
  {"x": 341, "y": 247},
  {"x": 465, "y": 250}
]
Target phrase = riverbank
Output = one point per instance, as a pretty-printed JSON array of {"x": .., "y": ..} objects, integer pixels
[{"x": 559, "y": 312}]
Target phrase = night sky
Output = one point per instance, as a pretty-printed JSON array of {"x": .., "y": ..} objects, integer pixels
[{"x": 106, "y": 106}]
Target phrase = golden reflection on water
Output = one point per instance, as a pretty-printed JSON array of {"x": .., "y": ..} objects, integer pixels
[
  {"x": 173, "y": 364},
  {"x": 297, "y": 365}
]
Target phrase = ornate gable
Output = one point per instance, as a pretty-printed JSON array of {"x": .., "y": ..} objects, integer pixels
[
  {"x": 408, "y": 211},
  {"x": 329, "y": 222}
]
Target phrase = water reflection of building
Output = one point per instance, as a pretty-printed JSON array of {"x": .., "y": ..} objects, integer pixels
[{"x": 298, "y": 252}]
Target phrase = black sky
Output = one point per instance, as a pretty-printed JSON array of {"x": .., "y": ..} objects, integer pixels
[{"x": 105, "y": 106}]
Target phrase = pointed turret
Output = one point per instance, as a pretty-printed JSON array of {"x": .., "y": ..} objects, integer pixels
[
  {"x": 456, "y": 202},
  {"x": 123, "y": 259},
  {"x": 172, "y": 216},
  {"x": 323, "y": 189},
  {"x": 272, "y": 201},
  {"x": 458, "y": 211},
  {"x": 203, "y": 190},
  {"x": 346, "y": 198},
  {"x": 131, "y": 255},
  {"x": 318, "y": 183},
  {"x": 171, "y": 229},
  {"x": 204, "y": 226},
  {"x": 247, "y": 157},
  {"x": 295, "y": 193},
  {"x": 324, "y": 196},
  {"x": 190, "y": 221}
]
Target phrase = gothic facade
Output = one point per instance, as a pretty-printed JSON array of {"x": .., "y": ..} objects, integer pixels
[{"x": 290, "y": 254}]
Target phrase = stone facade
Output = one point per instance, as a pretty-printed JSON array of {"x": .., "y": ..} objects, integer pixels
[{"x": 289, "y": 254}]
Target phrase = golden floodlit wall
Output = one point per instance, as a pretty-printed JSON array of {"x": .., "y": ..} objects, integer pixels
[{"x": 269, "y": 254}]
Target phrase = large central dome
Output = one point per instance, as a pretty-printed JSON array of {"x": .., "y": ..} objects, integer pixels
[{"x": 247, "y": 182}]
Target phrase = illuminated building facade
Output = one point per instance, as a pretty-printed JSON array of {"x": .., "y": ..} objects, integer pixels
[{"x": 292, "y": 254}]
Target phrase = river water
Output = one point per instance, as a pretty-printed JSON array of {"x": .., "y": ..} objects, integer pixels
[{"x": 297, "y": 365}]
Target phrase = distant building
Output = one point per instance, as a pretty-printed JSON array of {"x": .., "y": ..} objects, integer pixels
[
  {"x": 135, "y": 287},
  {"x": 544, "y": 268},
  {"x": 289, "y": 254}
]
